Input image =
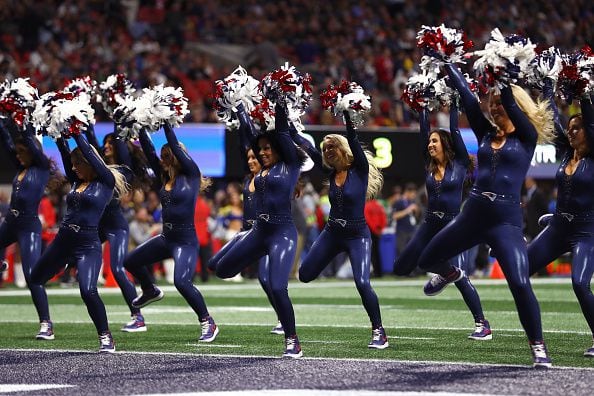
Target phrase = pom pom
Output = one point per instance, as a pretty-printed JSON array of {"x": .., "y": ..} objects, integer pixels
[
  {"x": 63, "y": 114},
  {"x": 417, "y": 94},
  {"x": 348, "y": 96},
  {"x": 17, "y": 100},
  {"x": 444, "y": 45},
  {"x": 82, "y": 85},
  {"x": 238, "y": 87},
  {"x": 290, "y": 87},
  {"x": 113, "y": 90},
  {"x": 504, "y": 60},
  {"x": 576, "y": 75},
  {"x": 547, "y": 64},
  {"x": 263, "y": 115}
]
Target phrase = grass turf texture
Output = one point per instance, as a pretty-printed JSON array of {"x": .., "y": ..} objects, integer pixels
[{"x": 331, "y": 322}]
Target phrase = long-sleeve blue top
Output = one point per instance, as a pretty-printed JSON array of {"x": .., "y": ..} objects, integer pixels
[
  {"x": 275, "y": 189},
  {"x": 250, "y": 208},
  {"x": 182, "y": 197},
  {"x": 575, "y": 192},
  {"x": 501, "y": 171},
  {"x": 445, "y": 195},
  {"x": 113, "y": 216},
  {"x": 27, "y": 193},
  {"x": 86, "y": 207}
]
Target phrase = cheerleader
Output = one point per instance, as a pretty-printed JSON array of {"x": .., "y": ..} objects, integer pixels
[{"x": 180, "y": 180}]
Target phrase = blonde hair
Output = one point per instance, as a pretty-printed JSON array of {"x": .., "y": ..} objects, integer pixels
[
  {"x": 539, "y": 113},
  {"x": 205, "y": 182},
  {"x": 375, "y": 179},
  {"x": 121, "y": 186}
]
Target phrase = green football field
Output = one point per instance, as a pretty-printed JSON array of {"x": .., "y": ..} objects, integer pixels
[{"x": 331, "y": 322}]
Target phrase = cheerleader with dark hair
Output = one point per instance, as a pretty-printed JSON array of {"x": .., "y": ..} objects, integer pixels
[
  {"x": 93, "y": 184},
  {"x": 180, "y": 182},
  {"x": 448, "y": 164},
  {"x": 22, "y": 224},
  {"x": 273, "y": 233}
]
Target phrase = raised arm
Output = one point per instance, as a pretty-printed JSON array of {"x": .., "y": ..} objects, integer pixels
[
  {"x": 103, "y": 172},
  {"x": 247, "y": 130},
  {"x": 189, "y": 167},
  {"x": 62, "y": 144},
  {"x": 92, "y": 138},
  {"x": 8, "y": 144},
  {"x": 151, "y": 155},
  {"x": 588, "y": 120},
  {"x": 39, "y": 157},
  {"x": 123, "y": 155},
  {"x": 288, "y": 151},
  {"x": 359, "y": 158},
  {"x": 460, "y": 150},
  {"x": 478, "y": 122},
  {"x": 525, "y": 131},
  {"x": 424, "y": 129},
  {"x": 306, "y": 146}
]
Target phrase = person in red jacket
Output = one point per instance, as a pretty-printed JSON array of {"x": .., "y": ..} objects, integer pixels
[
  {"x": 201, "y": 215},
  {"x": 376, "y": 218}
]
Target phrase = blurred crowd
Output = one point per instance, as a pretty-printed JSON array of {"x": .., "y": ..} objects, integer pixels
[{"x": 158, "y": 41}]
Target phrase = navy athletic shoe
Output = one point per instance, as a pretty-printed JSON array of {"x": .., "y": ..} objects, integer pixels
[
  {"x": 147, "y": 297},
  {"x": 540, "y": 356},
  {"x": 136, "y": 325},
  {"x": 482, "y": 331},
  {"x": 278, "y": 329},
  {"x": 378, "y": 339},
  {"x": 437, "y": 282},
  {"x": 46, "y": 330},
  {"x": 209, "y": 330},
  {"x": 292, "y": 348},
  {"x": 106, "y": 344},
  {"x": 589, "y": 352},
  {"x": 3, "y": 265}
]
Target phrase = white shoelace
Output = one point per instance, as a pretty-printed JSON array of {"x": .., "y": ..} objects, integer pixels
[
  {"x": 205, "y": 327},
  {"x": 105, "y": 339},
  {"x": 539, "y": 351},
  {"x": 45, "y": 327},
  {"x": 478, "y": 327},
  {"x": 436, "y": 279},
  {"x": 377, "y": 335},
  {"x": 133, "y": 321},
  {"x": 290, "y": 343}
]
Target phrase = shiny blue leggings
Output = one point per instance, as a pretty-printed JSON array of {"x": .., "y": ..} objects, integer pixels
[
  {"x": 29, "y": 241},
  {"x": 278, "y": 242},
  {"x": 83, "y": 249},
  {"x": 498, "y": 224},
  {"x": 263, "y": 266},
  {"x": 407, "y": 262},
  {"x": 183, "y": 248},
  {"x": 561, "y": 236},
  {"x": 118, "y": 248},
  {"x": 326, "y": 247}
]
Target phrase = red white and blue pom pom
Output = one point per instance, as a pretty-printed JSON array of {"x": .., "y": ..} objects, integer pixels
[
  {"x": 419, "y": 93},
  {"x": 547, "y": 64},
  {"x": 131, "y": 116},
  {"x": 113, "y": 90},
  {"x": 63, "y": 114},
  {"x": 17, "y": 100},
  {"x": 263, "y": 115},
  {"x": 288, "y": 86},
  {"x": 576, "y": 76},
  {"x": 347, "y": 96},
  {"x": 504, "y": 60},
  {"x": 83, "y": 84},
  {"x": 443, "y": 44},
  {"x": 238, "y": 87},
  {"x": 170, "y": 106}
]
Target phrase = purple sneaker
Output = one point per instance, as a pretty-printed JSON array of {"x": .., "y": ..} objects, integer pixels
[
  {"x": 46, "y": 330},
  {"x": 589, "y": 352},
  {"x": 540, "y": 356},
  {"x": 482, "y": 331},
  {"x": 147, "y": 297},
  {"x": 378, "y": 339},
  {"x": 209, "y": 330},
  {"x": 437, "y": 282},
  {"x": 278, "y": 329},
  {"x": 106, "y": 344},
  {"x": 292, "y": 348},
  {"x": 136, "y": 325}
]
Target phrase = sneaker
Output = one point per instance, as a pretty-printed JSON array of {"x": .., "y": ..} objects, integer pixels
[
  {"x": 147, "y": 297},
  {"x": 437, "y": 282},
  {"x": 136, "y": 325},
  {"x": 209, "y": 330},
  {"x": 106, "y": 343},
  {"x": 46, "y": 330},
  {"x": 278, "y": 329},
  {"x": 540, "y": 357},
  {"x": 589, "y": 352},
  {"x": 292, "y": 348},
  {"x": 3, "y": 265},
  {"x": 378, "y": 339},
  {"x": 482, "y": 331}
]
